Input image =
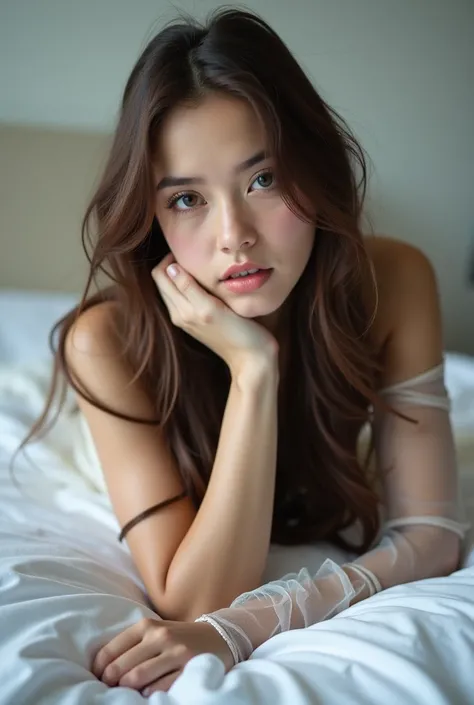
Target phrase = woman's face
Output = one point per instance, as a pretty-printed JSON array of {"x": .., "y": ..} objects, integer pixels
[{"x": 219, "y": 205}]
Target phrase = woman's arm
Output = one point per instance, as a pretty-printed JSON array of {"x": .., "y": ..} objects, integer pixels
[
  {"x": 420, "y": 537},
  {"x": 226, "y": 547},
  {"x": 190, "y": 562}
]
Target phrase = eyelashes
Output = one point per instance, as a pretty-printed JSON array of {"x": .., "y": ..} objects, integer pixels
[{"x": 172, "y": 202}]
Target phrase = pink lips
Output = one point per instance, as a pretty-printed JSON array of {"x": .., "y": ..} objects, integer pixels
[
  {"x": 238, "y": 268},
  {"x": 249, "y": 282}
]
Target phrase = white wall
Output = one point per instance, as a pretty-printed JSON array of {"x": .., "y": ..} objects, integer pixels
[{"x": 401, "y": 72}]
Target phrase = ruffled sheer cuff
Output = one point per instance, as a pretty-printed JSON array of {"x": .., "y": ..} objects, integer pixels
[{"x": 294, "y": 602}]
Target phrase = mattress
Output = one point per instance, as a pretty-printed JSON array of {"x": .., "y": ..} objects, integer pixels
[{"x": 67, "y": 587}]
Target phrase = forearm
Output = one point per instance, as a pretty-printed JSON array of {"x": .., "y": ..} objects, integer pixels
[
  {"x": 300, "y": 600},
  {"x": 413, "y": 552},
  {"x": 225, "y": 550}
]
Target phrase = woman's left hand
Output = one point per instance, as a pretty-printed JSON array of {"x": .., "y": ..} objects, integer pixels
[{"x": 152, "y": 653}]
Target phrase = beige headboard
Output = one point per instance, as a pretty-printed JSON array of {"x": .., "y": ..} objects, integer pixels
[{"x": 46, "y": 178}]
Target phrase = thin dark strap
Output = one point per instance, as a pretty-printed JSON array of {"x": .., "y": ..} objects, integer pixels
[{"x": 147, "y": 512}]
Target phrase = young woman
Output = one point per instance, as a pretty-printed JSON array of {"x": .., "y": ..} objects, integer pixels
[{"x": 249, "y": 334}]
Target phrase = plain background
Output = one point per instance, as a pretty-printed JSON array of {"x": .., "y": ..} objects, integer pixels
[{"x": 401, "y": 72}]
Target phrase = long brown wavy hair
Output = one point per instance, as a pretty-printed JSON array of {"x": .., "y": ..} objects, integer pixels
[{"x": 329, "y": 385}]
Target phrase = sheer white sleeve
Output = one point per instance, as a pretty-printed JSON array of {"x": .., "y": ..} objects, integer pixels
[{"x": 421, "y": 531}]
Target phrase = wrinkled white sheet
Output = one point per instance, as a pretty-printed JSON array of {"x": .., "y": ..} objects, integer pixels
[{"x": 67, "y": 586}]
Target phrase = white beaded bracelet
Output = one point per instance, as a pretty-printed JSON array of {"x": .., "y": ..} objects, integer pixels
[
  {"x": 230, "y": 643},
  {"x": 375, "y": 581},
  {"x": 372, "y": 580},
  {"x": 364, "y": 577}
]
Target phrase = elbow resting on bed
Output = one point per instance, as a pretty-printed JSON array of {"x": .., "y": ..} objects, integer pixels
[{"x": 174, "y": 604}]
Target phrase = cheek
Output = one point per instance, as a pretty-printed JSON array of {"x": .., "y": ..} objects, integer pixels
[
  {"x": 188, "y": 249},
  {"x": 288, "y": 233}
]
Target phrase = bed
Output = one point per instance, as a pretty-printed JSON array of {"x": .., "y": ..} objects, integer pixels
[{"x": 67, "y": 585}]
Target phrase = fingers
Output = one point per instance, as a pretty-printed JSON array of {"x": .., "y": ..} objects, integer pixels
[
  {"x": 154, "y": 669},
  {"x": 188, "y": 287},
  {"x": 142, "y": 655},
  {"x": 117, "y": 646},
  {"x": 133, "y": 668},
  {"x": 170, "y": 276},
  {"x": 162, "y": 684},
  {"x": 175, "y": 302},
  {"x": 183, "y": 296},
  {"x": 165, "y": 284}
]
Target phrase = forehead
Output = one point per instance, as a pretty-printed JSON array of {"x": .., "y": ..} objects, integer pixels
[{"x": 216, "y": 134}]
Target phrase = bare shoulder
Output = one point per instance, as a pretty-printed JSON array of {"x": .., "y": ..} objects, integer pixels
[
  {"x": 95, "y": 331},
  {"x": 408, "y": 314},
  {"x": 95, "y": 355},
  {"x": 402, "y": 272},
  {"x": 397, "y": 262}
]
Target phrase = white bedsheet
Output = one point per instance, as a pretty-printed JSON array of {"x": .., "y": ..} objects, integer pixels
[{"x": 67, "y": 586}]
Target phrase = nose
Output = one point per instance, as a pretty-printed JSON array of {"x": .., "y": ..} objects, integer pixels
[{"x": 235, "y": 231}]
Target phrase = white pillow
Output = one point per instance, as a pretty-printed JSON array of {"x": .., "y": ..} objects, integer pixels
[{"x": 26, "y": 319}]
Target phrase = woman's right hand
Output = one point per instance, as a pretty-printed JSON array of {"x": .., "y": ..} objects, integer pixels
[{"x": 238, "y": 341}]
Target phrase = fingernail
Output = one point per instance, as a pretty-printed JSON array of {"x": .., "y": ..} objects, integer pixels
[
  {"x": 172, "y": 270},
  {"x": 146, "y": 692}
]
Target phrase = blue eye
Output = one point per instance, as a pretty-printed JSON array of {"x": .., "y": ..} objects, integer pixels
[
  {"x": 265, "y": 180},
  {"x": 185, "y": 197},
  {"x": 187, "y": 201}
]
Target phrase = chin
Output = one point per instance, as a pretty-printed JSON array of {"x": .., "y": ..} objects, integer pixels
[{"x": 248, "y": 308}]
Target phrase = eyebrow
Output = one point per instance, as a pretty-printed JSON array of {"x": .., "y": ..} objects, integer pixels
[{"x": 168, "y": 181}]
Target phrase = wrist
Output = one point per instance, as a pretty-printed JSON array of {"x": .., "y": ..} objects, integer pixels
[
  {"x": 256, "y": 371},
  {"x": 224, "y": 646}
]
